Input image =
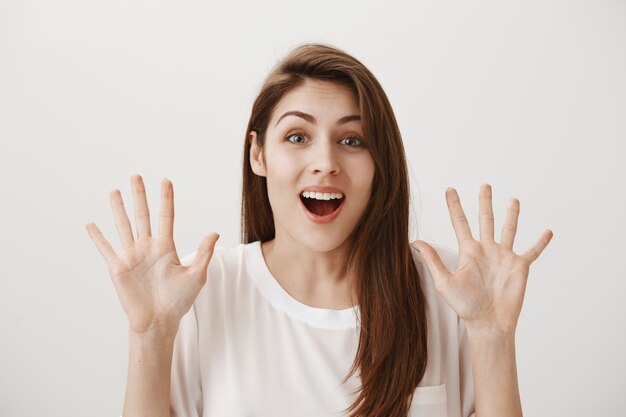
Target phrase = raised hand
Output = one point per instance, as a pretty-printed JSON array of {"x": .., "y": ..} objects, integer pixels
[
  {"x": 487, "y": 289},
  {"x": 154, "y": 288}
]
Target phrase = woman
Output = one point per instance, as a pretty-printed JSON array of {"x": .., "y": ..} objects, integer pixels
[{"x": 325, "y": 308}]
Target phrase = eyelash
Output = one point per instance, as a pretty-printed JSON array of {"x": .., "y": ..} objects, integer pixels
[{"x": 361, "y": 144}]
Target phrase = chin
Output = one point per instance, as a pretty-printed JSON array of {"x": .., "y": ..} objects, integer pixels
[{"x": 323, "y": 241}]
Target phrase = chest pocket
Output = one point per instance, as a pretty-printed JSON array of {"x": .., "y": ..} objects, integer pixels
[{"x": 429, "y": 401}]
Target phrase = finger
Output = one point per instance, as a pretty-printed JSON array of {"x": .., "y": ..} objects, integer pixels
[
  {"x": 459, "y": 221},
  {"x": 204, "y": 254},
  {"x": 166, "y": 212},
  {"x": 435, "y": 265},
  {"x": 122, "y": 224},
  {"x": 142, "y": 214},
  {"x": 510, "y": 224},
  {"x": 485, "y": 213},
  {"x": 533, "y": 253},
  {"x": 101, "y": 243}
]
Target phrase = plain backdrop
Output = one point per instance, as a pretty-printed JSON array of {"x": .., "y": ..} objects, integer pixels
[{"x": 529, "y": 96}]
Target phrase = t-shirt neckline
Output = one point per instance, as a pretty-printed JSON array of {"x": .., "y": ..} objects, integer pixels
[{"x": 268, "y": 285}]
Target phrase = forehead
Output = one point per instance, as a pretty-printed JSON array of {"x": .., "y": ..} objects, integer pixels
[{"x": 326, "y": 100}]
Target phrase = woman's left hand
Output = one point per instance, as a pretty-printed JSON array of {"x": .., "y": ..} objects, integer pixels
[{"x": 487, "y": 290}]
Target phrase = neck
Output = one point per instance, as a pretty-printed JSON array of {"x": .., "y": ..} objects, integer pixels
[{"x": 317, "y": 279}]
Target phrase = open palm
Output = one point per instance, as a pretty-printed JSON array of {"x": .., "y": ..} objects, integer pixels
[
  {"x": 487, "y": 289},
  {"x": 154, "y": 289}
]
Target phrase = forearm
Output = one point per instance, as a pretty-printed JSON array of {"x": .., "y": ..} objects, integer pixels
[
  {"x": 149, "y": 375},
  {"x": 495, "y": 373}
]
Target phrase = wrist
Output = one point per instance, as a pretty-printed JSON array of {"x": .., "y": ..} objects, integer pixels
[
  {"x": 153, "y": 336},
  {"x": 489, "y": 333}
]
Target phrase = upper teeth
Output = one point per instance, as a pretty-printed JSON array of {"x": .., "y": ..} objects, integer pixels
[{"x": 322, "y": 196}]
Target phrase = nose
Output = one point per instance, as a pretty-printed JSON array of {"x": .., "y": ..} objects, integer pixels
[{"x": 324, "y": 159}]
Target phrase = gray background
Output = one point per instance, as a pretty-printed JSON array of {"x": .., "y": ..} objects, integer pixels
[{"x": 529, "y": 96}]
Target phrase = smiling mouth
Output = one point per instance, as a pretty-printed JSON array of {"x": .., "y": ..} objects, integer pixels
[{"x": 321, "y": 207}]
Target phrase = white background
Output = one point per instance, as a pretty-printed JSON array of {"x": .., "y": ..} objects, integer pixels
[{"x": 529, "y": 96}]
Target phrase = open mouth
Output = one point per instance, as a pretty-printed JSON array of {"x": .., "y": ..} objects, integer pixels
[{"x": 322, "y": 207}]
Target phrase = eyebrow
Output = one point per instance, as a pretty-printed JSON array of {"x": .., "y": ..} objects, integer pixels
[{"x": 309, "y": 118}]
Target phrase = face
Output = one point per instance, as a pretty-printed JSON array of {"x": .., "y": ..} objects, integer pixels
[{"x": 321, "y": 147}]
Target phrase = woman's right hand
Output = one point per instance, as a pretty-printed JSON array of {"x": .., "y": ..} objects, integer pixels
[{"x": 154, "y": 288}]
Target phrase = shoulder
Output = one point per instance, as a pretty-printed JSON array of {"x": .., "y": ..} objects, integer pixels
[
  {"x": 226, "y": 279},
  {"x": 222, "y": 256}
]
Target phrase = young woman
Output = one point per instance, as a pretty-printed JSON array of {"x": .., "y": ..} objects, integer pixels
[{"x": 325, "y": 308}]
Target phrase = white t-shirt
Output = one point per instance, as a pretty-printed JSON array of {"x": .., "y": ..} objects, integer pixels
[{"x": 247, "y": 348}]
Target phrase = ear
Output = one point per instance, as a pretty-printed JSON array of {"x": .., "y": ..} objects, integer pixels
[{"x": 256, "y": 155}]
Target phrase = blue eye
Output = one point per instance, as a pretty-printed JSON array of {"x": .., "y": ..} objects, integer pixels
[
  {"x": 295, "y": 134},
  {"x": 358, "y": 142},
  {"x": 354, "y": 142}
]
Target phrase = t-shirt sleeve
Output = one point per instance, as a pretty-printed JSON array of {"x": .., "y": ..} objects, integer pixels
[
  {"x": 185, "y": 383},
  {"x": 186, "y": 387},
  {"x": 466, "y": 376},
  {"x": 450, "y": 259}
]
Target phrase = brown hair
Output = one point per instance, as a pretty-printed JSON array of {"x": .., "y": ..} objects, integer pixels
[{"x": 392, "y": 353}]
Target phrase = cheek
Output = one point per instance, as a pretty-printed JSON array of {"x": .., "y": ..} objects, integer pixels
[
  {"x": 283, "y": 167},
  {"x": 362, "y": 173}
]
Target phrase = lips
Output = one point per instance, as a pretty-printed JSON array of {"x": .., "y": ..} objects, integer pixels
[{"x": 322, "y": 211}]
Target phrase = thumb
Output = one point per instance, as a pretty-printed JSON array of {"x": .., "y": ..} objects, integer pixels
[
  {"x": 435, "y": 265},
  {"x": 205, "y": 252}
]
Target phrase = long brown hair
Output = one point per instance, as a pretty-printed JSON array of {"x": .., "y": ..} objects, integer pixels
[{"x": 391, "y": 355}]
